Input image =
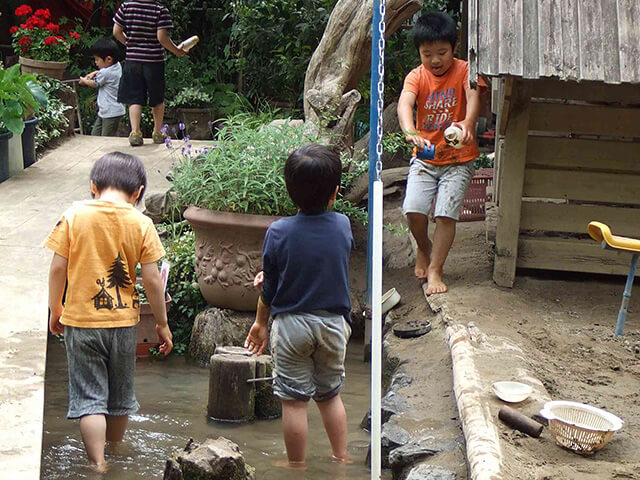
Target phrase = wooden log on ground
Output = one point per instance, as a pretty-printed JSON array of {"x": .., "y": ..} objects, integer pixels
[
  {"x": 389, "y": 177},
  {"x": 483, "y": 443},
  {"x": 520, "y": 422},
  {"x": 231, "y": 398}
]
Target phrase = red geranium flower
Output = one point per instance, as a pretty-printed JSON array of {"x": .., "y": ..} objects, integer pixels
[
  {"x": 26, "y": 27},
  {"x": 23, "y": 11},
  {"x": 51, "y": 41},
  {"x": 36, "y": 22},
  {"x": 75, "y": 35},
  {"x": 13, "y": 30},
  {"x": 52, "y": 27},
  {"x": 24, "y": 41},
  {"x": 44, "y": 13}
]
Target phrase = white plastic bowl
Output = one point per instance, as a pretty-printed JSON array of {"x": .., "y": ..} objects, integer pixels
[
  {"x": 512, "y": 392},
  {"x": 390, "y": 300}
]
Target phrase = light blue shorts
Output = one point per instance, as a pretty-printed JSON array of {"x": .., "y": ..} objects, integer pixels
[
  {"x": 308, "y": 351},
  {"x": 448, "y": 182}
]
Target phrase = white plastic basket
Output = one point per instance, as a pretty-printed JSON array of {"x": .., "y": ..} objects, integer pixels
[{"x": 579, "y": 427}]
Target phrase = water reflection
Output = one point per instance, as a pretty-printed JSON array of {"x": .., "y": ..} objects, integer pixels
[{"x": 173, "y": 399}]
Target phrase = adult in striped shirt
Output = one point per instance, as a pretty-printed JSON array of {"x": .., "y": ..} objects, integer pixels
[{"x": 143, "y": 27}]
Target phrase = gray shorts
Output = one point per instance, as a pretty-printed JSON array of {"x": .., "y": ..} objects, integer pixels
[
  {"x": 102, "y": 365},
  {"x": 308, "y": 351},
  {"x": 449, "y": 182}
]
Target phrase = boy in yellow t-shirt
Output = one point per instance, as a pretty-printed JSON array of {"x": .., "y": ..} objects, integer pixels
[{"x": 97, "y": 245}]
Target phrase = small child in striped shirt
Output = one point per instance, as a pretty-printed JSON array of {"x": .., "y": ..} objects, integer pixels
[{"x": 143, "y": 27}]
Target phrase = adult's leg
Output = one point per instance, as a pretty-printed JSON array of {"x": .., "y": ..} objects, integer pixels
[
  {"x": 94, "y": 429},
  {"x": 158, "y": 117},
  {"x": 334, "y": 418},
  {"x": 419, "y": 227},
  {"x": 295, "y": 429},
  {"x": 442, "y": 241}
]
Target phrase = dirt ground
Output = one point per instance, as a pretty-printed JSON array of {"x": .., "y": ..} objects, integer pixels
[
  {"x": 556, "y": 327},
  {"x": 564, "y": 325}
]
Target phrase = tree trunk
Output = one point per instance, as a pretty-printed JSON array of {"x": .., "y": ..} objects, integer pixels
[
  {"x": 231, "y": 398},
  {"x": 341, "y": 59}
]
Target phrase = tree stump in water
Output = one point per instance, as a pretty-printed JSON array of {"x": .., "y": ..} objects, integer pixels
[
  {"x": 231, "y": 398},
  {"x": 267, "y": 404}
]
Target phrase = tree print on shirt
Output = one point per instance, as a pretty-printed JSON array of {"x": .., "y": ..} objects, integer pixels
[{"x": 118, "y": 278}]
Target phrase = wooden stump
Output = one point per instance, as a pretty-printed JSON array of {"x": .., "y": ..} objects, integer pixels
[
  {"x": 231, "y": 398},
  {"x": 267, "y": 404}
]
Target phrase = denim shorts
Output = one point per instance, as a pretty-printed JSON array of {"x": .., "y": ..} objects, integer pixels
[
  {"x": 448, "y": 182},
  {"x": 308, "y": 351},
  {"x": 101, "y": 364}
]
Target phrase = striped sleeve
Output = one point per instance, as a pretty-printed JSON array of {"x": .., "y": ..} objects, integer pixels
[
  {"x": 120, "y": 15},
  {"x": 164, "y": 19}
]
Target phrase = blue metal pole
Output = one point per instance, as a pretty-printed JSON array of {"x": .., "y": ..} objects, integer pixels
[
  {"x": 373, "y": 129},
  {"x": 622, "y": 314}
]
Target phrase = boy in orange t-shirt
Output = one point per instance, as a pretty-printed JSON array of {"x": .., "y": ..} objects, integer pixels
[
  {"x": 440, "y": 88},
  {"x": 97, "y": 245}
]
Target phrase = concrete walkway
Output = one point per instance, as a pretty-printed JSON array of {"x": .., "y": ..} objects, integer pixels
[{"x": 31, "y": 203}]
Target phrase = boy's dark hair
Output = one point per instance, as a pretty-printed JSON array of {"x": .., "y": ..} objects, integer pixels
[
  {"x": 121, "y": 171},
  {"x": 105, "y": 47},
  {"x": 312, "y": 174},
  {"x": 435, "y": 27}
]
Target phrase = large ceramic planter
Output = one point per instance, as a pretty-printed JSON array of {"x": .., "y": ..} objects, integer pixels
[
  {"x": 197, "y": 121},
  {"x": 228, "y": 255},
  {"x": 146, "y": 335},
  {"x": 4, "y": 155},
  {"x": 29, "y": 142},
  {"x": 50, "y": 69}
]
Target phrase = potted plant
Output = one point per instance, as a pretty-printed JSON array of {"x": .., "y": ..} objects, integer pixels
[
  {"x": 39, "y": 43},
  {"x": 146, "y": 336},
  {"x": 17, "y": 101},
  {"x": 234, "y": 192},
  {"x": 194, "y": 108}
]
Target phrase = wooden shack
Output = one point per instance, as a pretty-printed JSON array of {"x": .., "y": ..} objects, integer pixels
[{"x": 565, "y": 76}]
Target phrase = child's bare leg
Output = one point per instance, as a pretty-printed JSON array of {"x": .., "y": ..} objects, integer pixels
[
  {"x": 334, "y": 418},
  {"x": 158, "y": 117},
  {"x": 93, "y": 429},
  {"x": 419, "y": 226},
  {"x": 116, "y": 426},
  {"x": 135, "y": 117},
  {"x": 442, "y": 241},
  {"x": 295, "y": 429}
]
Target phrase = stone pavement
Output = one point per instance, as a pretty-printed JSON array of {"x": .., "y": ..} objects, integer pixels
[{"x": 31, "y": 203}]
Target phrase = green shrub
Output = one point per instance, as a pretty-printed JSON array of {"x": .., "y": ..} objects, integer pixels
[
  {"x": 191, "y": 97},
  {"x": 52, "y": 121},
  {"x": 243, "y": 173}
]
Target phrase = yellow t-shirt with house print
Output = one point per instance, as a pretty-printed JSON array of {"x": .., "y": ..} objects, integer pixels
[{"x": 103, "y": 242}]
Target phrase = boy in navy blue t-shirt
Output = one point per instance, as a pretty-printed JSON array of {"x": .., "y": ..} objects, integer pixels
[{"x": 305, "y": 287}]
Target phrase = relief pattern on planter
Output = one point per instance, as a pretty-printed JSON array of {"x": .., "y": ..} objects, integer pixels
[{"x": 226, "y": 264}]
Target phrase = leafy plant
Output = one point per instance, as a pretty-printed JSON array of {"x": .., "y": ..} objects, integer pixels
[
  {"x": 191, "y": 97},
  {"x": 17, "y": 99},
  {"x": 243, "y": 173},
  {"x": 52, "y": 121},
  {"x": 483, "y": 161}
]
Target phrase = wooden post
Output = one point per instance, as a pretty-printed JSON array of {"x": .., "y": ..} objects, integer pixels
[
  {"x": 512, "y": 168},
  {"x": 267, "y": 404},
  {"x": 231, "y": 398}
]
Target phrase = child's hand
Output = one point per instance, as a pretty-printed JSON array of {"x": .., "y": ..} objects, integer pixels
[
  {"x": 257, "y": 339},
  {"x": 92, "y": 75},
  {"x": 55, "y": 326},
  {"x": 82, "y": 81},
  {"x": 468, "y": 134},
  {"x": 166, "y": 339},
  {"x": 259, "y": 280},
  {"x": 418, "y": 140}
]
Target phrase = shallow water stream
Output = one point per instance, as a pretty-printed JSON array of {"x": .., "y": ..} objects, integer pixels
[{"x": 173, "y": 402}]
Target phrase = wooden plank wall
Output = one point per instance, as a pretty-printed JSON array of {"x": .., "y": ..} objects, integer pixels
[{"x": 582, "y": 164}]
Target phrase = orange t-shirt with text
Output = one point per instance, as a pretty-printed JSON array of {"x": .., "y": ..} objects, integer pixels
[
  {"x": 441, "y": 101},
  {"x": 103, "y": 242}
]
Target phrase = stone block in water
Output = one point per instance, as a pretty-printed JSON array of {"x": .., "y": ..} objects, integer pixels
[{"x": 218, "y": 459}]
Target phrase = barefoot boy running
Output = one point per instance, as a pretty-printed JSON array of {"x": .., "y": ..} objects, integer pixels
[
  {"x": 440, "y": 87},
  {"x": 97, "y": 246},
  {"x": 306, "y": 288}
]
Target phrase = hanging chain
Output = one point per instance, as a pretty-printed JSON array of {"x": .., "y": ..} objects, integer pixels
[{"x": 381, "y": 44}]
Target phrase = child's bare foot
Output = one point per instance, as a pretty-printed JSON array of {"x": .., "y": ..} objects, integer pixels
[
  {"x": 346, "y": 459},
  {"x": 100, "y": 467},
  {"x": 422, "y": 264},
  {"x": 435, "y": 284},
  {"x": 289, "y": 465}
]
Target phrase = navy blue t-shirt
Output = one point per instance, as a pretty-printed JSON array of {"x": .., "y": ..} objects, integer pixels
[{"x": 305, "y": 259}]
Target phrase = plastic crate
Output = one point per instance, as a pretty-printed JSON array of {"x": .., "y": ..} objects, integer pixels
[{"x": 473, "y": 205}]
